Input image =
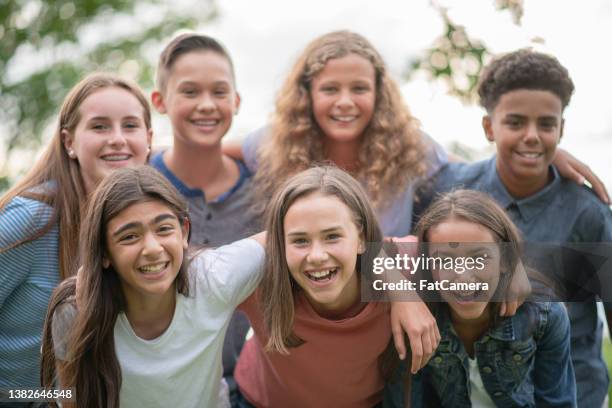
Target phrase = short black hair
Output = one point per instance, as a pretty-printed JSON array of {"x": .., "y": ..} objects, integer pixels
[
  {"x": 184, "y": 44},
  {"x": 523, "y": 69}
]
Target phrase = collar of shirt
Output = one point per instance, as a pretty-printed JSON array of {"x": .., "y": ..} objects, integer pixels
[{"x": 529, "y": 207}]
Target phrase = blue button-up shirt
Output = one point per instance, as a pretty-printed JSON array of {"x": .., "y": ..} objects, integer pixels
[{"x": 560, "y": 212}]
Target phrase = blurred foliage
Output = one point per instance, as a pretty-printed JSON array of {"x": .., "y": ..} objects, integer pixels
[
  {"x": 455, "y": 57},
  {"x": 46, "y": 47}
]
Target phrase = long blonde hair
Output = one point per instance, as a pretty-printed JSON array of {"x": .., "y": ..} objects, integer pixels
[
  {"x": 67, "y": 193},
  {"x": 391, "y": 152}
]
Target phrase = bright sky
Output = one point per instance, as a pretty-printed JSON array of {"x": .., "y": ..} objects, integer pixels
[{"x": 266, "y": 36}]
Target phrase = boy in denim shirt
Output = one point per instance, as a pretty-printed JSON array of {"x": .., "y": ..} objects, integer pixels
[{"x": 525, "y": 93}]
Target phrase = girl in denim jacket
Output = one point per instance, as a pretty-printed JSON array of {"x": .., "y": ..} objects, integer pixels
[{"x": 483, "y": 360}]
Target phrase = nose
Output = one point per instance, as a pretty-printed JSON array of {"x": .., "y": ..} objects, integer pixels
[
  {"x": 345, "y": 99},
  {"x": 531, "y": 133},
  {"x": 117, "y": 138},
  {"x": 317, "y": 254},
  {"x": 152, "y": 248},
  {"x": 206, "y": 103}
]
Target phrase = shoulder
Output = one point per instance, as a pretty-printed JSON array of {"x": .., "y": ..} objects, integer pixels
[
  {"x": 462, "y": 175},
  {"x": 542, "y": 318},
  {"x": 593, "y": 220},
  {"x": 231, "y": 257},
  {"x": 251, "y": 144},
  {"x": 22, "y": 217}
]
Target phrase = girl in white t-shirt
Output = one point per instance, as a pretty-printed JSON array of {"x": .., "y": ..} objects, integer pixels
[{"x": 147, "y": 326}]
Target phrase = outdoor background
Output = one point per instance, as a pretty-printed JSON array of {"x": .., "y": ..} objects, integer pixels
[{"x": 434, "y": 49}]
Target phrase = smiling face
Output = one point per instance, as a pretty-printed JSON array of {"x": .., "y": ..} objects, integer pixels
[
  {"x": 110, "y": 134},
  {"x": 321, "y": 247},
  {"x": 343, "y": 97},
  {"x": 526, "y": 125},
  {"x": 200, "y": 98},
  {"x": 474, "y": 240},
  {"x": 145, "y": 245}
]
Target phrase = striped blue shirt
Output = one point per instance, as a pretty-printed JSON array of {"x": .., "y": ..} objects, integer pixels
[{"x": 28, "y": 275}]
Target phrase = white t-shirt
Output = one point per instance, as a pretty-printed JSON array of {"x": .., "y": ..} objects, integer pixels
[
  {"x": 478, "y": 396},
  {"x": 182, "y": 367}
]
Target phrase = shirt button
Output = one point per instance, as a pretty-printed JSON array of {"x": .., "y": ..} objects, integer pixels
[
  {"x": 438, "y": 360},
  {"x": 487, "y": 370},
  {"x": 497, "y": 394},
  {"x": 517, "y": 357},
  {"x": 208, "y": 216}
]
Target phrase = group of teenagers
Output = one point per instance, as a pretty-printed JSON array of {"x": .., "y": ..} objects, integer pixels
[{"x": 132, "y": 276}]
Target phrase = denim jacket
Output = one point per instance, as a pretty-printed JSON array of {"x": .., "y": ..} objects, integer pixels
[{"x": 524, "y": 362}]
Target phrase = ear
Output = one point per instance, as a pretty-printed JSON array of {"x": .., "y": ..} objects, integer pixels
[
  {"x": 149, "y": 138},
  {"x": 157, "y": 99},
  {"x": 237, "y": 103},
  {"x": 362, "y": 246},
  {"x": 487, "y": 126},
  {"x": 185, "y": 230},
  {"x": 106, "y": 262},
  {"x": 68, "y": 142}
]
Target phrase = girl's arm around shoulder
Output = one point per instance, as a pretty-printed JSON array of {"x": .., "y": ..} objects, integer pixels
[
  {"x": 554, "y": 380},
  {"x": 231, "y": 272}
]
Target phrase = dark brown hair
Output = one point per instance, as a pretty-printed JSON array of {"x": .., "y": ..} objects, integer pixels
[
  {"x": 90, "y": 364},
  {"x": 56, "y": 180},
  {"x": 277, "y": 286},
  {"x": 523, "y": 69}
]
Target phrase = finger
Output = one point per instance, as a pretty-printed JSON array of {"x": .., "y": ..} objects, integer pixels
[
  {"x": 398, "y": 340},
  {"x": 417, "y": 353},
  {"x": 427, "y": 349},
  {"x": 512, "y": 307},
  {"x": 600, "y": 189},
  {"x": 502, "y": 309}
]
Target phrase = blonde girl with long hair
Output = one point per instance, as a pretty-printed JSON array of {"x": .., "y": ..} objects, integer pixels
[{"x": 104, "y": 123}]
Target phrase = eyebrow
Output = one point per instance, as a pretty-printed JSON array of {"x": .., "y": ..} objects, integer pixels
[
  {"x": 155, "y": 220},
  {"x": 107, "y": 118},
  {"x": 468, "y": 253},
  {"x": 326, "y": 230}
]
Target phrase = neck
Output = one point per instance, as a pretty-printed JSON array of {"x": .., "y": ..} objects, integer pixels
[
  {"x": 470, "y": 330},
  {"x": 197, "y": 167},
  {"x": 345, "y": 155},
  {"x": 520, "y": 187},
  {"x": 150, "y": 316}
]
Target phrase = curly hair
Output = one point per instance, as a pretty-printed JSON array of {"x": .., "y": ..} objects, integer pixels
[
  {"x": 523, "y": 69},
  {"x": 391, "y": 152}
]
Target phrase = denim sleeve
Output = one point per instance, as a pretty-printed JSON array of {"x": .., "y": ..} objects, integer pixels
[
  {"x": 554, "y": 381},
  {"x": 250, "y": 145}
]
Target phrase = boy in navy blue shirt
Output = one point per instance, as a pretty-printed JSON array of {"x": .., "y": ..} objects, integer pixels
[{"x": 525, "y": 94}]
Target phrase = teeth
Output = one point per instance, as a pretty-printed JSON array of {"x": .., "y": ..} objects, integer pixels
[
  {"x": 344, "y": 118},
  {"x": 321, "y": 274},
  {"x": 530, "y": 155},
  {"x": 211, "y": 122},
  {"x": 154, "y": 268},
  {"x": 118, "y": 157}
]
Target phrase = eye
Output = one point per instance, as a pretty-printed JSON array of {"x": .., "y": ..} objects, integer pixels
[
  {"x": 221, "y": 92},
  {"x": 99, "y": 127},
  {"x": 333, "y": 236},
  {"x": 131, "y": 125},
  {"x": 361, "y": 89},
  {"x": 127, "y": 238},
  {"x": 548, "y": 125},
  {"x": 328, "y": 89},
  {"x": 513, "y": 123},
  {"x": 299, "y": 241},
  {"x": 166, "y": 229},
  {"x": 189, "y": 92}
]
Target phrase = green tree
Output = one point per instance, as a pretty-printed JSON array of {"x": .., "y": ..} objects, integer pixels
[{"x": 46, "y": 47}]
